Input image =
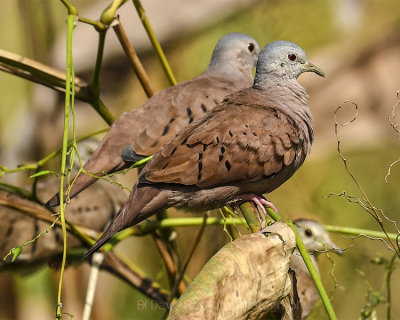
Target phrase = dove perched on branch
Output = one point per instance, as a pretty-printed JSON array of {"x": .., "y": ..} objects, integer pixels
[
  {"x": 249, "y": 144},
  {"x": 141, "y": 132}
]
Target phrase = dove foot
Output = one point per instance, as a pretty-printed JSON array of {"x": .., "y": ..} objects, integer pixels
[{"x": 260, "y": 202}]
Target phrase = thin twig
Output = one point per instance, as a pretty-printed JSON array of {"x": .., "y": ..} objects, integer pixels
[
  {"x": 97, "y": 260},
  {"x": 69, "y": 96},
  {"x": 133, "y": 58},
  {"x": 192, "y": 250},
  {"x": 373, "y": 211},
  {"x": 154, "y": 42}
]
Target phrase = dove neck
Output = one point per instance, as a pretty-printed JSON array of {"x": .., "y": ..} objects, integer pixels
[
  {"x": 287, "y": 91},
  {"x": 229, "y": 69}
]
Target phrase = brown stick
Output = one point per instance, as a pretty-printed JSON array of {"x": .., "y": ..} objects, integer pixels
[{"x": 133, "y": 58}]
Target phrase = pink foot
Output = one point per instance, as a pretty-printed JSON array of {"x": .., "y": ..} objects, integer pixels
[{"x": 259, "y": 201}]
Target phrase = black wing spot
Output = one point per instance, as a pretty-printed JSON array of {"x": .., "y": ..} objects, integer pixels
[
  {"x": 230, "y": 133},
  {"x": 165, "y": 165},
  {"x": 227, "y": 165},
  {"x": 171, "y": 120},
  {"x": 217, "y": 139},
  {"x": 222, "y": 149},
  {"x": 254, "y": 134},
  {"x": 10, "y": 228},
  {"x": 184, "y": 141},
  {"x": 200, "y": 155},
  {"x": 204, "y": 147},
  {"x": 244, "y": 133},
  {"x": 203, "y": 107},
  {"x": 189, "y": 111},
  {"x": 191, "y": 120},
  {"x": 173, "y": 151},
  {"x": 246, "y": 125},
  {"x": 200, "y": 166},
  {"x": 221, "y": 157},
  {"x": 166, "y": 129}
]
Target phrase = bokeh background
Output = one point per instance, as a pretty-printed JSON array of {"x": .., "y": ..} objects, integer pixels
[{"x": 356, "y": 43}]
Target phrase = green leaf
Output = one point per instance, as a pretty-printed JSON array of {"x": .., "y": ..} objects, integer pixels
[
  {"x": 43, "y": 173},
  {"x": 16, "y": 252}
]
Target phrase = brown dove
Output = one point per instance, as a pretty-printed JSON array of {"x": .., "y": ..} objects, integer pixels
[
  {"x": 316, "y": 239},
  {"x": 249, "y": 144},
  {"x": 94, "y": 209},
  {"x": 144, "y": 130}
]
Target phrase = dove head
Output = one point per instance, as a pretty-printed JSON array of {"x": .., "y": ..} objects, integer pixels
[
  {"x": 234, "y": 55},
  {"x": 282, "y": 60},
  {"x": 315, "y": 236}
]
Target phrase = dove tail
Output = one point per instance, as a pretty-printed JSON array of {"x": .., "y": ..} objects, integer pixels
[{"x": 141, "y": 204}]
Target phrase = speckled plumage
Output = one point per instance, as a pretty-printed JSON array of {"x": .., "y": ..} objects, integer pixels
[
  {"x": 145, "y": 129},
  {"x": 251, "y": 143}
]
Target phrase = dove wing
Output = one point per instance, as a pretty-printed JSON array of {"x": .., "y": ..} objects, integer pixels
[{"x": 234, "y": 143}]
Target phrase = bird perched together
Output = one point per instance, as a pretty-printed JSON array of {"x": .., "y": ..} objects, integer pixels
[
  {"x": 249, "y": 144},
  {"x": 141, "y": 132},
  {"x": 317, "y": 240}
]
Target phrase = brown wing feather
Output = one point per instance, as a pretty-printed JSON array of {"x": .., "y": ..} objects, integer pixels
[
  {"x": 226, "y": 147},
  {"x": 188, "y": 103}
]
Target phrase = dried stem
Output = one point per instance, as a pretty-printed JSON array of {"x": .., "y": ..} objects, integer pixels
[
  {"x": 133, "y": 58},
  {"x": 372, "y": 210}
]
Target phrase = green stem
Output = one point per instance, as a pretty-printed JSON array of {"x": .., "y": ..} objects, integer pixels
[
  {"x": 248, "y": 212},
  {"x": 357, "y": 232},
  {"x": 68, "y": 98},
  {"x": 309, "y": 264},
  {"x": 154, "y": 42},
  {"x": 95, "y": 83},
  {"x": 389, "y": 270},
  {"x": 108, "y": 14},
  {"x": 71, "y": 10},
  {"x": 102, "y": 110}
]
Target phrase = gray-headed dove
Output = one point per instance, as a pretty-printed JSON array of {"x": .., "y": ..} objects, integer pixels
[
  {"x": 316, "y": 239},
  {"x": 249, "y": 144},
  {"x": 143, "y": 131}
]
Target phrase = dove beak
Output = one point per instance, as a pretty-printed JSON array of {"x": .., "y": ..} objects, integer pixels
[
  {"x": 313, "y": 68},
  {"x": 332, "y": 246}
]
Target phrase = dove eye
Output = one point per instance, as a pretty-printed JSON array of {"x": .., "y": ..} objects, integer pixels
[
  {"x": 308, "y": 232},
  {"x": 292, "y": 56},
  {"x": 251, "y": 47}
]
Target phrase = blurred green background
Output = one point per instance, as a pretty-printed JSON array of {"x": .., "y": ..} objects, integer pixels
[{"x": 355, "y": 42}]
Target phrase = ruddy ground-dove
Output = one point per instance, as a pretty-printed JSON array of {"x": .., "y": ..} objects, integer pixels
[
  {"x": 144, "y": 130},
  {"x": 316, "y": 239},
  {"x": 249, "y": 144}
]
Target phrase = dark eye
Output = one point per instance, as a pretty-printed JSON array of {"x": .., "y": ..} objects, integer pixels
[
  {"x": 308, "y": 233},
  {"x": 251, "y": 47},
  {"x": 291, "y": 56}
]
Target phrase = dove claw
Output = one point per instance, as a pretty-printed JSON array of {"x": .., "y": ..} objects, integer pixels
[{"x": 260, "y": 203}]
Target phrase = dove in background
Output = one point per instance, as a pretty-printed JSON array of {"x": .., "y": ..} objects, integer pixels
[{"x": 316, "y": 239}]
